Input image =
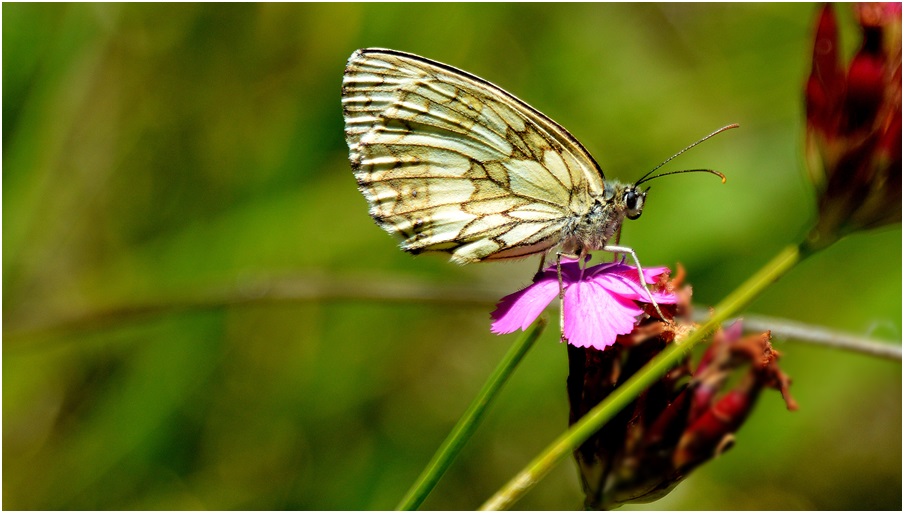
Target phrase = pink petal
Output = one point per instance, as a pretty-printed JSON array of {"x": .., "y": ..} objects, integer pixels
[
  {"x": 594, "y": 317},
  {"x": 600, "y": 302},
  {"x": 518, "y": 310},
  {"x": 571, "y": 271},
  {"x": 622, "y": 285},
  {"x": 650, "y": 274}
]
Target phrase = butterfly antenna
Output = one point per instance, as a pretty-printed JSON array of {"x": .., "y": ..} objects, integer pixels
[{"x": 647, "y": 177}]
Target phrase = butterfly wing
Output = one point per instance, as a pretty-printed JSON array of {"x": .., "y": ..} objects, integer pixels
[{"x": 452, "y": 163}]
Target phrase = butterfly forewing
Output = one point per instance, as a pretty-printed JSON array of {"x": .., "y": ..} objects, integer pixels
[{"x": 453, "y": 163}]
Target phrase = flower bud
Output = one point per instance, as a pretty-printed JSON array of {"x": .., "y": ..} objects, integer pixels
[{"x": 854, "y": 125}]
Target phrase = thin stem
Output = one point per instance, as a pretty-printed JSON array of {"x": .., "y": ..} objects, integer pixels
[
  {"x": 819, "y": 336},
  {"x": 641, "y": 380},
  {"x": 21, "y": 336},
  {"x": 468, "y": 422}
]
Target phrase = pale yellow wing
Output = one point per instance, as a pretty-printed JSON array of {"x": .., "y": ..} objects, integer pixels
[{"x": 452, "y": 163}]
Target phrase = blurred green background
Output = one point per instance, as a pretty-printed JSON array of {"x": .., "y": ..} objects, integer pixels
[{"x": 170, "y": 170}]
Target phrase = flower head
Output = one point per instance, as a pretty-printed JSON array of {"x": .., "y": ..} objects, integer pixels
[
  {"x": 600, "y": 303},
  {"x": 854, "y": 124},
  {"x": 680, "y": 422}
]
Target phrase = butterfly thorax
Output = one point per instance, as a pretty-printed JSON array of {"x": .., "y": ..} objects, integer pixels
[{"x": 592, "y": 229}]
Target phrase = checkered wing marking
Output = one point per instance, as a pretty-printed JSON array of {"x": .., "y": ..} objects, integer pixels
[{"x": 452, "y": 163}]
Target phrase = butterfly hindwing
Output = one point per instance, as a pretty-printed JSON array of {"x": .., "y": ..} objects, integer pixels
[{"x": 452, "y": 163}]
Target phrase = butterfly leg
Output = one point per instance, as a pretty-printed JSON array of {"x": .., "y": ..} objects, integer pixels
[
  {"x": 582, "y": 263},
  {"x": 559, "y": 274},
  {"x": 561, "y": 295},
  {"x": 643, "y": 282},
  {"x": 559, "y": 256},
  {"x": 542, "y": 263}
]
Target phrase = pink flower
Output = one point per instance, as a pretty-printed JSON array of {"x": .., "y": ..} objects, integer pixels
[{"x": 598, "y": 307}]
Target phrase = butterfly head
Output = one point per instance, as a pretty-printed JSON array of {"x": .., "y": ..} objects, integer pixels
[{"x": 633, "y": 200}]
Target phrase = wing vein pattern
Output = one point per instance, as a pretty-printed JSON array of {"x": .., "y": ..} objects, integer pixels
[{"x": 452, "y": 163}]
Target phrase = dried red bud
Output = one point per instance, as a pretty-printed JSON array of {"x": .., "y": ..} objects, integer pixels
[{"x": 704, "y": 438}]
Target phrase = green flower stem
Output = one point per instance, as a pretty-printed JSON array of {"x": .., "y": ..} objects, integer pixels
[
  {"x": 643, "y": 379},
  {"x": 468, "y": 422}
]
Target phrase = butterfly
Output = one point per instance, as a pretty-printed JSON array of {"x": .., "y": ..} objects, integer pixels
[{"x": 452, "y": 163}]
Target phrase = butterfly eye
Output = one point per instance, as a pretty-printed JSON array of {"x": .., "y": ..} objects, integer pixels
[{"x": 633, "y": 204}]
